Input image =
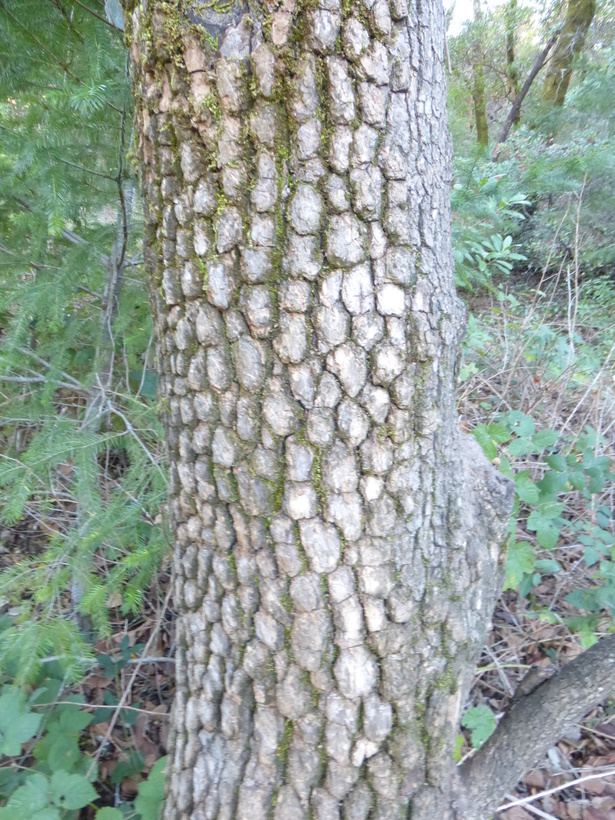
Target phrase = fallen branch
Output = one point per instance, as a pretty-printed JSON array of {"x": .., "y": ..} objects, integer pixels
[
  {"x": 533, "y": 724},
  {"x": 571, "y": 784}
]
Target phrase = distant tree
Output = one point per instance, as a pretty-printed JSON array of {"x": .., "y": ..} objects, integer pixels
[
  {"x": 511, "y": 20},
  {"x": 579, "y": 15},
  {"x": 479, "y": 100}
]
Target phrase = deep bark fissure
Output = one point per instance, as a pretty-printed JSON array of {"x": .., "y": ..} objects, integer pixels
[{"x": 337, "y": 540}]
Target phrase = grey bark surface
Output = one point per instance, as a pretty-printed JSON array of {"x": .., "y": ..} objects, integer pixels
[{"x": 337, "y": 540}]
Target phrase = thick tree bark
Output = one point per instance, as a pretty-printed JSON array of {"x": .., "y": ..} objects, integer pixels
[
  {"x": 579, "y": 15},
  {"x": 338, "y": 541}
]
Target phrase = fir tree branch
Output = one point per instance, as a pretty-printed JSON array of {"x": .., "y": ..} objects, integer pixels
[
  {"x": 36, "y": 380},
  {"x": 87, "y": 170},
  {"x": 98, "y": 16},
  {"x": 47, "y": 51},
  {"x": 134, "y": 434},
  {"x": 69, "y": 22},
  {"x": 65, "y": 233},
  {"x": 26, "y": 352}
]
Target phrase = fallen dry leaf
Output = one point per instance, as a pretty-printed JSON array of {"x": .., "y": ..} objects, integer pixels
[
  {"x": 516, "y": 813},
  {"x": 535, "y": 779}
]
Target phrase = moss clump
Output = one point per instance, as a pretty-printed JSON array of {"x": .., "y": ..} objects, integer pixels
[{"x": 284, "y": 744}]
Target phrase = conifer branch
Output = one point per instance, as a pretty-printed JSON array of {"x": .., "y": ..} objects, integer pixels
[
  {"x": 47, "y": 51},
  {"x": 98, "y": 16},
  {"x": 87, "y": 170}
]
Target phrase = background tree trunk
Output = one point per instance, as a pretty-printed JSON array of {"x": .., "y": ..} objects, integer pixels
[
  {"x": 478, "y": 81},
  {"x": 514, "y": 114},
  {"x": 511, "y": 19},
  {"x": 337, "y": 540},
  {"x": 579, "y": 15}
]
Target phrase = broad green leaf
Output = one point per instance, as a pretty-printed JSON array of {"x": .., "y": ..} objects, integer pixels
[
  {"x": 486, "y": 442},
  {"x": 151, "y": 792},
  {"x": 557, "y": 462},
  {"x": 109, "y": 814},
  {"x": 17, "y": 723},
  {"x": 547, "y": 534},
  {"x": 126, "y": 768},
  {"x": 586, "y": 627},
  {"x": 604, "y": 536},
  {"x": 528, "y": 582},
  {"x": 591, "y": 555},
  {"x": 525, "y": 487},
  {"x": 607, "y": 570},
  {"x": 481, "y": 720},
  {"x": 505, "y": 467},
  {"x": 48, "y": 691},
  {"x": 545, "y": 438},
  {"x": 596, "y": 484},
  {"x": 520, "y": 561},
  {"x": 63, "y": 754},
  {"x": 74, "y": 719},
  {"x": 520, "y": 447},
  {"x": 605, "y": 596},
  {"x": 498, "y": 433},
  {"x": 32, "y": 797},
  {"x": 584, "y": 599},
  {"x": 519, "y": 423},
  {"x": 551, "y": 509},
  {"x": 545, "y": 522},
  {"x": 10, "y": 780},
  {"x": 548, "y": 566},
  {"x": 71, "y": 791},
  {"x": 552, "y": 483}
]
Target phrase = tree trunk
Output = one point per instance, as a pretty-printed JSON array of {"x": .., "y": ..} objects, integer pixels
[
  {"x": 478, "y": 82},
  {"x": 510, "y": 17},
  {"x": 579, "y": 16},
  {"x": 515, "y": 111},
  {"x": 338, "y": 540}
]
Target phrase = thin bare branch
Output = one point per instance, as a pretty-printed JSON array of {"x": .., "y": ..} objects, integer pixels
[{"x": 515, "y": 111}]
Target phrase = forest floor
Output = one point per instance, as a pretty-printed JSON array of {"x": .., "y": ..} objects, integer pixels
[{"x": 518, "y": 335}]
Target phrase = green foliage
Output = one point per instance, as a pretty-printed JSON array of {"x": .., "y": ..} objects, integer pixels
[
  {"x": 150, "y": 799},
  {"x": 80, "y": 439},
  {"x": 554, "y": 477},
  {"x": 551, "y": 186},
  {"x": 112, "y": 665},
  {"x": 481, "y": 721},
  {"x": 485, "y": 206},
  {"x": 17, "y": 723},
  {"x": 61, "y": 778}
]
